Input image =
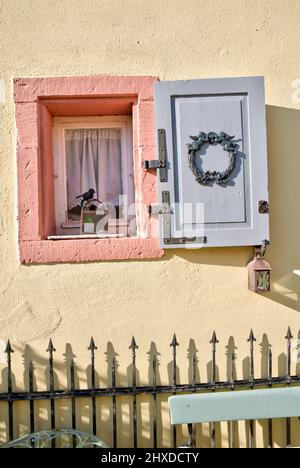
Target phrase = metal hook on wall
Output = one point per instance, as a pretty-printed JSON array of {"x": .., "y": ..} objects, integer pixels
[{"x": 261, "y": 250}]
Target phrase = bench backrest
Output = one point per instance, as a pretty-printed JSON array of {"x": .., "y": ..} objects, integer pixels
[{"x": 235, "y": 406}]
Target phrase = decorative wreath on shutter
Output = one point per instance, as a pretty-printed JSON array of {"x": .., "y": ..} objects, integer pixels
[{"x": 212, "y": 138}]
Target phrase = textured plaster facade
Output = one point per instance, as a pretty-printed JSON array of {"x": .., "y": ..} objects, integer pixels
[{"x": 192, "y": 292}]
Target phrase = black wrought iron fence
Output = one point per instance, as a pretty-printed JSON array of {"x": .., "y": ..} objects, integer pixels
[{"x": 153, "y": 390}]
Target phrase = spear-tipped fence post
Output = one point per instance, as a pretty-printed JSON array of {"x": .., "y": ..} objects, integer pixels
[
  {"x": 51, "y": 350},
  {"x": 289, "y": 338},
  {"x": 174, "y": 345},
  {"x": 92, "y": 348},
  {"x": 9, "y": 351},
  {"x": 251, "y": 341},
  {"x": 270, "y": 379},
  {"x": 31, "y": 402},
  {"x": 114, "y": 399},
  {"x": 154, "y": 384},
  {"x": 214, "y": 341},
  {"x": 133, "y": 347},
  {"x": 233, "y": 424},
  {"x": 73, "y": 400}
]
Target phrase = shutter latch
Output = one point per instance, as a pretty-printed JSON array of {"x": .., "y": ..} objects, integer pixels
[
  {"x": 263, "y": 207},
  {"x": 154, "y": 164},
  {"x": 161, "y": 163},
  {"x": 154, "y": 210}
]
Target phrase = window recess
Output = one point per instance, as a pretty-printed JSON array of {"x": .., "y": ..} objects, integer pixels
[
  {"x": 93, "y": 153},
  {"x": 38, "y": 104}
]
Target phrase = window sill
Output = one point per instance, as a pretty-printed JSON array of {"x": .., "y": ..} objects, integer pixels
[
  {"x": 89, "y": 250},
  {"x": 112, "y": 223}
]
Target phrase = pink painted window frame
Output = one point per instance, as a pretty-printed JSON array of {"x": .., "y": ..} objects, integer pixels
[{"x": 35, "y": 99}]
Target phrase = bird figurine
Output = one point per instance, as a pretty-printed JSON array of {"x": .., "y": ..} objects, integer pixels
[{"x": 86, "y": 197}]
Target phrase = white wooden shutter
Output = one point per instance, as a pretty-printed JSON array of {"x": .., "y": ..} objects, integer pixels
[{"x": 198, "y": 212}]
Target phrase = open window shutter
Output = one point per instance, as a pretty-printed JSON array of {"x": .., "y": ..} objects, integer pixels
[{"x": 213, "y": 191}]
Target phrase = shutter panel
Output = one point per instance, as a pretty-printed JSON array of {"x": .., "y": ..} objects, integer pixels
[{"x": 213, "y": 191}]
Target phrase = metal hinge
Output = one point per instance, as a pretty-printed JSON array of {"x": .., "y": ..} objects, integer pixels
[
  {"x": 263, "y": 207},
  {"x": 166, "y": 211},
  {"x": 185, "y": 240},
  {"x": 161, "y": 163}
]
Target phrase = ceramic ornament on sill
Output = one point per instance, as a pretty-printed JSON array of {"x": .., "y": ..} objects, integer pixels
[
  {"x": 94, "y": 218},
  {"x": 259, "y": 273}
]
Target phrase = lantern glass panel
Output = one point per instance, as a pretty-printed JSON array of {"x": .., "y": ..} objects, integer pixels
[
  {"x": 263, "y": 281},
  {"x": 251, "y": 280}
]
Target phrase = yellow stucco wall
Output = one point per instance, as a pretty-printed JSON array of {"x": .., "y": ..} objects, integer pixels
[{"x": 190, "y": 292}]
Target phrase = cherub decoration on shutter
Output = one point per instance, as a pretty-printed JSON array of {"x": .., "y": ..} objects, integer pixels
[{"x": 212, "y": 138}]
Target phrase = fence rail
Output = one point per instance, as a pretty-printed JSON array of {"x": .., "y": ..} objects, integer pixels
[{"x": 133, "y": 391}]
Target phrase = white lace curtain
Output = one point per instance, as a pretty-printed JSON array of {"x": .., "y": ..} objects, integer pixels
[{"x": 94, "y": 161}]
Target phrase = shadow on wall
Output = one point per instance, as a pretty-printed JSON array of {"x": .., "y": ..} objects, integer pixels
[
  {"x": 149, "y": 407},
  {"x": 283, "y": 127},
  {"x": 284, "y": 169},
  {"x": 84, "y": 410}
]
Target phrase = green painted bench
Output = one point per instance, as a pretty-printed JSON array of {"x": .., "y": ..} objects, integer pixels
[{"x": 235, "y": 406}]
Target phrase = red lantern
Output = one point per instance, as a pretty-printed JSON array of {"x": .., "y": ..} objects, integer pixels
[{"x": 259, "y": 275}]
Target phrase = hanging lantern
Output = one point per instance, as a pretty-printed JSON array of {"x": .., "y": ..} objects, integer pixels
[
  {"x": 94, "y": 218},
  {"x": 259, "y": 274}
]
